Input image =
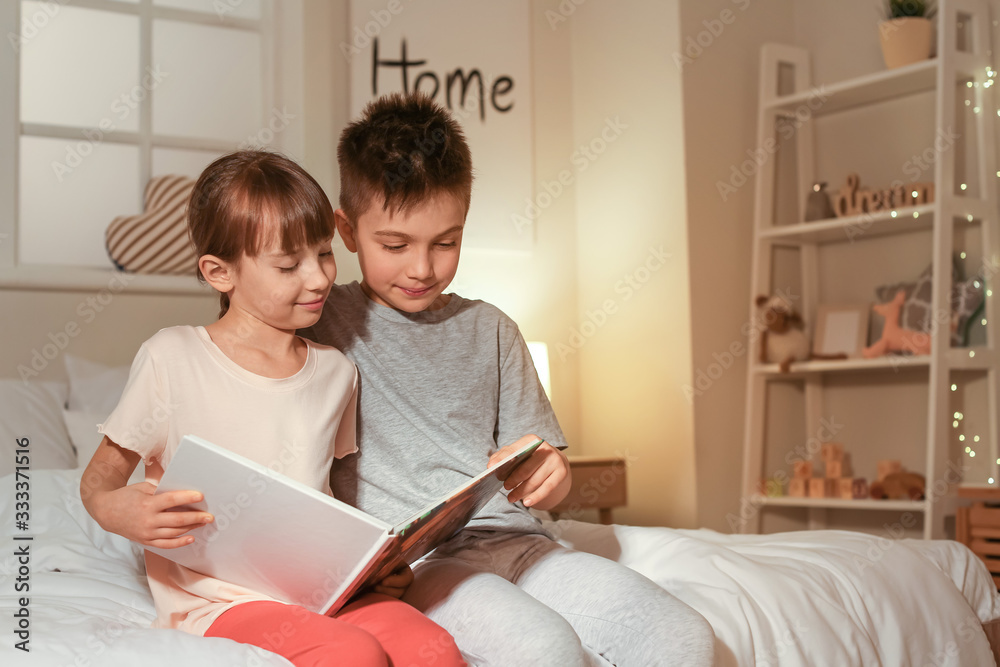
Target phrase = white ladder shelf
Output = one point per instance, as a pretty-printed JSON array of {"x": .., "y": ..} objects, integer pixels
[{"x": 950, "y": 208}]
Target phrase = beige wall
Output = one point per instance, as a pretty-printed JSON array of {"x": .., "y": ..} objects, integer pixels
[
  {"x": 720, "y": 121},
  {"x": 633, "y": 307}
]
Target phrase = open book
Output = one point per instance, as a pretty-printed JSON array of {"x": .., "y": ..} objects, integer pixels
[{"x": 279, "y": 537}]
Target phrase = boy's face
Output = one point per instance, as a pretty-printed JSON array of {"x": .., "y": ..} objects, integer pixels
[{"x": 407, "y": 259}]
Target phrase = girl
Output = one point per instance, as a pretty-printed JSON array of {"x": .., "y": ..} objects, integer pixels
[{"x": 262, "y": 229}]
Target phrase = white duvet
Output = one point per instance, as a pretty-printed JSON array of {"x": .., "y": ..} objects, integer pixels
[{"x": 817, "y": 598}]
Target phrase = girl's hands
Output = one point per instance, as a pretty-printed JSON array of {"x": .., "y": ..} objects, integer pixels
[
  {"x": 396, "y": 583},
  {"x": 542, "y": 480},
  {"x": 133, "y": 511},
  {"x": 151, "y": 520}
]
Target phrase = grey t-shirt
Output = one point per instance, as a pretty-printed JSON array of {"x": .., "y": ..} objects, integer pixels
[{"x": 439, "y": 392}]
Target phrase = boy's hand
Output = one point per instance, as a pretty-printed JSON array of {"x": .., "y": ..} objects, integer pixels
[
  {"x": 151, "y": 520},
  {"x": 540, "y": 481},
  {"x": 396, "y": 583}
]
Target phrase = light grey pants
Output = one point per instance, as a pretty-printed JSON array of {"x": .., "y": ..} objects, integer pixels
[{"x": 512, "y": 599}]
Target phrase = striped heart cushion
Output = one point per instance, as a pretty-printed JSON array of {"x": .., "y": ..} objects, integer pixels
[{"x": 156, "y": 240}]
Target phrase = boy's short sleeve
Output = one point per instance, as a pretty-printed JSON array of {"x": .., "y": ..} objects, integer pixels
[
  {"x": 140, "y": 420},
  {"x": 523, "y": 406},
  {"x": 345, "y": 442}
]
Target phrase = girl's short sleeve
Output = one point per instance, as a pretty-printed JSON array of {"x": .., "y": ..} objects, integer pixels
[
  {"x": 140, "y": 420},
  {"x": 345, "y": 441}
]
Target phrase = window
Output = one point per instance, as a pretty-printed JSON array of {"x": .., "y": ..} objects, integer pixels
[{"x": 114, "y": 92}]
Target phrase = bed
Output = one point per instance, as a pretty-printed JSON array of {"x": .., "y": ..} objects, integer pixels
[{"x": 805, "y": 598}]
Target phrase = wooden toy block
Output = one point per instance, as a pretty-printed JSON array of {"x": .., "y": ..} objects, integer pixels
[
  {"x": 797, "y": 487},
  {"x": 845, "y": 466},
  {"x": 802, "y": 469},
  {"x": 831, "y": 488},
  {"x": 859, "y": 487},
  {"x": 817, "y": 487},
  {"x": 832, "y": 451},
  {"x": 772, "y": 488},
  {"x": 834, "y": 469},
  {"x": 845, "y": 488},
  {"x": 888, "y": 467}
]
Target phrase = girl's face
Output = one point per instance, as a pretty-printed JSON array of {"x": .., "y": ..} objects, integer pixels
[{"x": 285, "y": 291}]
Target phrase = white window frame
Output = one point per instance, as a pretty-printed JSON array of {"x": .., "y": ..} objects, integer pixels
[{"x": 281, "y": 27}]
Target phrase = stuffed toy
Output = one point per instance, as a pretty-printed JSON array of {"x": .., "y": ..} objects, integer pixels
[
  {"x": 784, "y": 339},
  {"x": 967, "y": 296},
  {"x": 894, "y": 337},
  {"x": 899, "y": 486}
]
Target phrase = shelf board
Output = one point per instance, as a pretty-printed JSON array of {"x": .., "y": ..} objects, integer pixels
[
  {"x": 854, "y": 227},
  {"x": 838, "y": 503},
  {"x": 845, "y": 365},
  {"x": 869, "y": 89},
  {"x": 958, "y": 358}
]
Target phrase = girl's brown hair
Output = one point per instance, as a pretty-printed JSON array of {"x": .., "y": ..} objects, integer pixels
[{"x": 242, "y": 199}]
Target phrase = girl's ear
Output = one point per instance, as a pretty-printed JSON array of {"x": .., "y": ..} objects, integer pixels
[
  {"x": 217, "y": 272},
  {"x": 346, "y": 230}
]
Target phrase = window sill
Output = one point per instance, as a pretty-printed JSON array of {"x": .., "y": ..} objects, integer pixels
[{"x": 84, "y": 279}]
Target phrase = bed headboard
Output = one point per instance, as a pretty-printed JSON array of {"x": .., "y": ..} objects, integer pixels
[{"x": 105, "y": 325}]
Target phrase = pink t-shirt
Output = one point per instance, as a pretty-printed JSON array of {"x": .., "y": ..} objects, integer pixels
[{"x": 181, "y": 384}]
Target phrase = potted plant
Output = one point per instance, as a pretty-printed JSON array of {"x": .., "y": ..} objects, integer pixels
[{"x": 907, "y": 34}]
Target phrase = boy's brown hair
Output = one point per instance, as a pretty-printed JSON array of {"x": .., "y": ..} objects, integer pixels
[
  {"x": 403, "y": 149},
  {"x": 245, "y": 198}
]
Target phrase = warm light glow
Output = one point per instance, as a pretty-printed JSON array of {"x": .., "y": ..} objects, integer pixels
[
  {"x": 954, "y": 387},
  {"x": 964, "y": 186},
  {"x": 539, "y": 352}
]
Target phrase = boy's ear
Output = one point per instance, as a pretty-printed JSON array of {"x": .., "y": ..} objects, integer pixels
[
  {"x": 346, "y": 230},
  {"x": 217, "y": 272}
]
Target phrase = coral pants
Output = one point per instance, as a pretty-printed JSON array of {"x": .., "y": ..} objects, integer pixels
[{"x": 376, "y": 630}]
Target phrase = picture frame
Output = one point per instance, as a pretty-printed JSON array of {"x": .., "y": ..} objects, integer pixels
[{"x": 841, "y": 328}]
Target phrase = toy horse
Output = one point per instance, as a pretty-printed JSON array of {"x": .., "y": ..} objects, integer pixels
[{"x": 894, "y": 337}]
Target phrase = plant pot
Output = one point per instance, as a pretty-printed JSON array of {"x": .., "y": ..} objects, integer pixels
[{"x": 906, "y": 40}]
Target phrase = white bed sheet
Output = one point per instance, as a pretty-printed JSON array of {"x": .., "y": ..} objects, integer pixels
[
  {"x": 814, "y": 598},
  {"x": 791, "y": 599}
]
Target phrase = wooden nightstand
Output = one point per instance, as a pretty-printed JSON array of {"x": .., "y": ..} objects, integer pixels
[{"x": 598, "y": 483}]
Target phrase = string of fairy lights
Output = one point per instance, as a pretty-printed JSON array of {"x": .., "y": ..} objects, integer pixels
[{"x": 958, "y": 416}]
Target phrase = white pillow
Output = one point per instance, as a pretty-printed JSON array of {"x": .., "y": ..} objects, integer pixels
[
  {"x": 93, "y": 386},
  {"x": 33, "y": 410},
  {"x": 82, "y": 427}
]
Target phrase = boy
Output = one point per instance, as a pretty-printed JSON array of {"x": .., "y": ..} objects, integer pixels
[{"x": 447, "y": 386}]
